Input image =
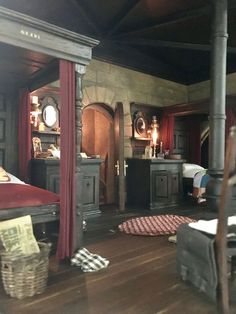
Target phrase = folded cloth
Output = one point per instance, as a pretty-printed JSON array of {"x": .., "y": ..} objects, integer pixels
[
  {"x": 80, "y": 256},
  {"x": 88, "y": 262},
  {"x": 210, "y": 226},
  {"x": 94, "y": 263}
]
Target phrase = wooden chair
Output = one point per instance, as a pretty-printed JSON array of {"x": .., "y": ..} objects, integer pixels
[{"x": 222, "y": 249}]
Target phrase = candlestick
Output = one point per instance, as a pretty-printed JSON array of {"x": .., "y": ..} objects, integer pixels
[{"x": 161, "y": 147}]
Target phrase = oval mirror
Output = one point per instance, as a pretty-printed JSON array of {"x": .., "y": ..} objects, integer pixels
[
  {"x": 49, "y": 115},
  {"x": 140, "y": 126}
]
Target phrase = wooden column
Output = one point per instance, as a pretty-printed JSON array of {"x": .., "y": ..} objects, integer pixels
[
  {"x": 217, "y": 101},
  {"x": 80, "y": 71}
]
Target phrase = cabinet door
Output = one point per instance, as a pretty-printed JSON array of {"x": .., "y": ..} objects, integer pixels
[
  {"x": 89, "y": 195},
  {"x": 54, "y": 183},
  {"x": 175, "y": 186},
  {"x": 160, "y": 188}
]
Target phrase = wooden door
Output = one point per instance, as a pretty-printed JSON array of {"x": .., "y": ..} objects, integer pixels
[{"x": 119, "y": 156}]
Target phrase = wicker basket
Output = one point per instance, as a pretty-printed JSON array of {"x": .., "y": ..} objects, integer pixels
[{"x": 25, "y": 275}]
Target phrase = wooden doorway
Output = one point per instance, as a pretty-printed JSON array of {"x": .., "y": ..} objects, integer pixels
[{"x": 98, "y": 139}]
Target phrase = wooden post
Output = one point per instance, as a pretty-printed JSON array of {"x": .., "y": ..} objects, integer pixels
[
  {"x": 222, "y": 227},
  {"x": 217, "y": 102},
  {"x": 218, "y": 83},
  {"x": 80, "y": 71}
]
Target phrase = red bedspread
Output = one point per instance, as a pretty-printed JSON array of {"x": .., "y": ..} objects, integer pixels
[{"x": 24, "y": 195}]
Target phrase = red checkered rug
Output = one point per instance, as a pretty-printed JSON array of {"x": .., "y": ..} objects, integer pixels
[{"x": 154, "y": 225}]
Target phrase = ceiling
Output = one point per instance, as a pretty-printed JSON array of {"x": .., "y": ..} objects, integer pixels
[{"x": 166, "y": 38}]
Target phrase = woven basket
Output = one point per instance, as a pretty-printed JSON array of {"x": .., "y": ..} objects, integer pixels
[{"x": 25, "y": 275}]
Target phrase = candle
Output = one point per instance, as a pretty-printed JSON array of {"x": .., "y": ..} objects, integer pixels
[
  {"x": 35, "y": 100},
  {"x": 161, "y": 147}
]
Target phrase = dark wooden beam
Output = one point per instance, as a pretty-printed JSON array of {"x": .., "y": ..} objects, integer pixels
[
  {"x": 84, "y": 10},
  {"x": 43, "y": 77},
  {"x": 122, "y": 15},
  {"x": 170, "y": 19},
  {"x": 175, "y": 18},
  {"x": 170, "y": 44}
]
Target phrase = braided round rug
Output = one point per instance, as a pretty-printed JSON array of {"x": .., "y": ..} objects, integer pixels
[{"x": 154, "y": 225}]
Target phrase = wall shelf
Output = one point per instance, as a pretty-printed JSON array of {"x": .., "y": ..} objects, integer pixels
[
  {"x": 46, "y": 132},
  {"x": 140, "y": 138}
]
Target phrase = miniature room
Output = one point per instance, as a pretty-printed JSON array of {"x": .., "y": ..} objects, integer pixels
[{"x": 117, "y": 157}]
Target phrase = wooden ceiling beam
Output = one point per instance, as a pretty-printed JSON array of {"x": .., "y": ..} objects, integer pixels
[
  {"x": 176, "y": 18},
  {"x": 171, "y": 44},
  {"x": 122, "y": 15},
  {"x": 167, "y": 20},
  {"x": 87, "y": 16}
]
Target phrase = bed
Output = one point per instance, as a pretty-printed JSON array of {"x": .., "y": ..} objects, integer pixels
[
  {"x": 19, "y": 199},
  {"x": 195, "y": 179}
]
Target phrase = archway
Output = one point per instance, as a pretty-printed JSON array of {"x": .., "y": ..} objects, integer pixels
[{"x": 100, "y": 141}]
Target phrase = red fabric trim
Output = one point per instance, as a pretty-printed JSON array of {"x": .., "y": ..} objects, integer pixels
[
  {"x": 24, "y": 136},
  {"x": 23, "y": 195},
  {"x": 167, "y": 131},
  {"x": 68, "y": 160}
]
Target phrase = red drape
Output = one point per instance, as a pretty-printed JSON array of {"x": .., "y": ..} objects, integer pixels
[
  {"x": 194, "y": 130},
  {"x": 230, "y": 120},
  {"x": 68, "y": 160},
  {"x": 167, "y": 131},
  {"x": 24, "y": 135}
]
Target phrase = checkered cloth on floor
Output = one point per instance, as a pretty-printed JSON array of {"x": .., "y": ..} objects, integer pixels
[{"x": 87, "y": 261}]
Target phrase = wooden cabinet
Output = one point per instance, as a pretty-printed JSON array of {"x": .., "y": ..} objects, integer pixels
[
  {"x": 154, "y": 183},
  {"x": 90, "y": 172},
  {"x": 45, "y": 173}
]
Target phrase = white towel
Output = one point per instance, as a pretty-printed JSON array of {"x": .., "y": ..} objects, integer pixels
[{"x": 210, "y": 226}]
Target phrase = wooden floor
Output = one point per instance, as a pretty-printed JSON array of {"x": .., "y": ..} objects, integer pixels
[{"x": 141, "y": 277}]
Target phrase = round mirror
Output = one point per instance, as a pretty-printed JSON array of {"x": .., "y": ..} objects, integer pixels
[{"x": 49, "y": 115}]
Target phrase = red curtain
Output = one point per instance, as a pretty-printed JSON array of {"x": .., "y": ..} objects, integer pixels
[
  {"x": 194, "y": 130},
  {"x": 24, "y": 135},
  {"x": 68, "y": 160},
  {"x": 230, "y": 120},
  {"x": 167, "y": 131}
]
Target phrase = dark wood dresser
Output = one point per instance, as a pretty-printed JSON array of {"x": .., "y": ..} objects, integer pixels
[
  {"x": 45, "y": 173},
  {"x": 154, "y": 183}
]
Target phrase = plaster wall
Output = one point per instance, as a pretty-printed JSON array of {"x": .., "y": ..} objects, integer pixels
[
  {"x": 108, "y": 83},
  {"x": 201, "y": 90}
]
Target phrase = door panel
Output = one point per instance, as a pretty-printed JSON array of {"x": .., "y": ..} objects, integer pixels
[
  {"x": 3, "y": 117},
  {"x": 119, "y": 155}
]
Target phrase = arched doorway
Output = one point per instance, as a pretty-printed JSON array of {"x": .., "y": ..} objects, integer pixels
[{"x": 98, "y": 139}]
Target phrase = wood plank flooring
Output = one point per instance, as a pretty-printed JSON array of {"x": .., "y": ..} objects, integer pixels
[{"x": 141, "y": 278}]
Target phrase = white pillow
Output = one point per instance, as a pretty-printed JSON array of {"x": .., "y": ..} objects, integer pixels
[
  {"x": 189, "y": 170},
  {"x": 13, "y": 179}
]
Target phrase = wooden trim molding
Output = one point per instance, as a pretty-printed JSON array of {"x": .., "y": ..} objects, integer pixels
[{"x": 27, "y": 32}]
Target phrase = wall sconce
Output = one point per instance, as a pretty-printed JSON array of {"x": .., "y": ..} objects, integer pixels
[{"x": 35, "y": 112}]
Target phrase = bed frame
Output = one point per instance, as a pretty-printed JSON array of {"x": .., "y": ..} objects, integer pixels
[
  {"x": 24, "y": 31},
  {"x": 39, "y": 214}
]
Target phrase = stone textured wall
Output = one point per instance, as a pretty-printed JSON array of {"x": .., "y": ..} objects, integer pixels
[
  {"x": 202, "y": 90},
  {"x": 109, "y": 84}
]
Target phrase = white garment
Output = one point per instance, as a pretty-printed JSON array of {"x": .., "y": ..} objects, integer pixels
[{"x": 210, "y": 226}]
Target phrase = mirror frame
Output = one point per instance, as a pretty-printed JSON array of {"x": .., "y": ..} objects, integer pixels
[{"x": 50, "y": 102}]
